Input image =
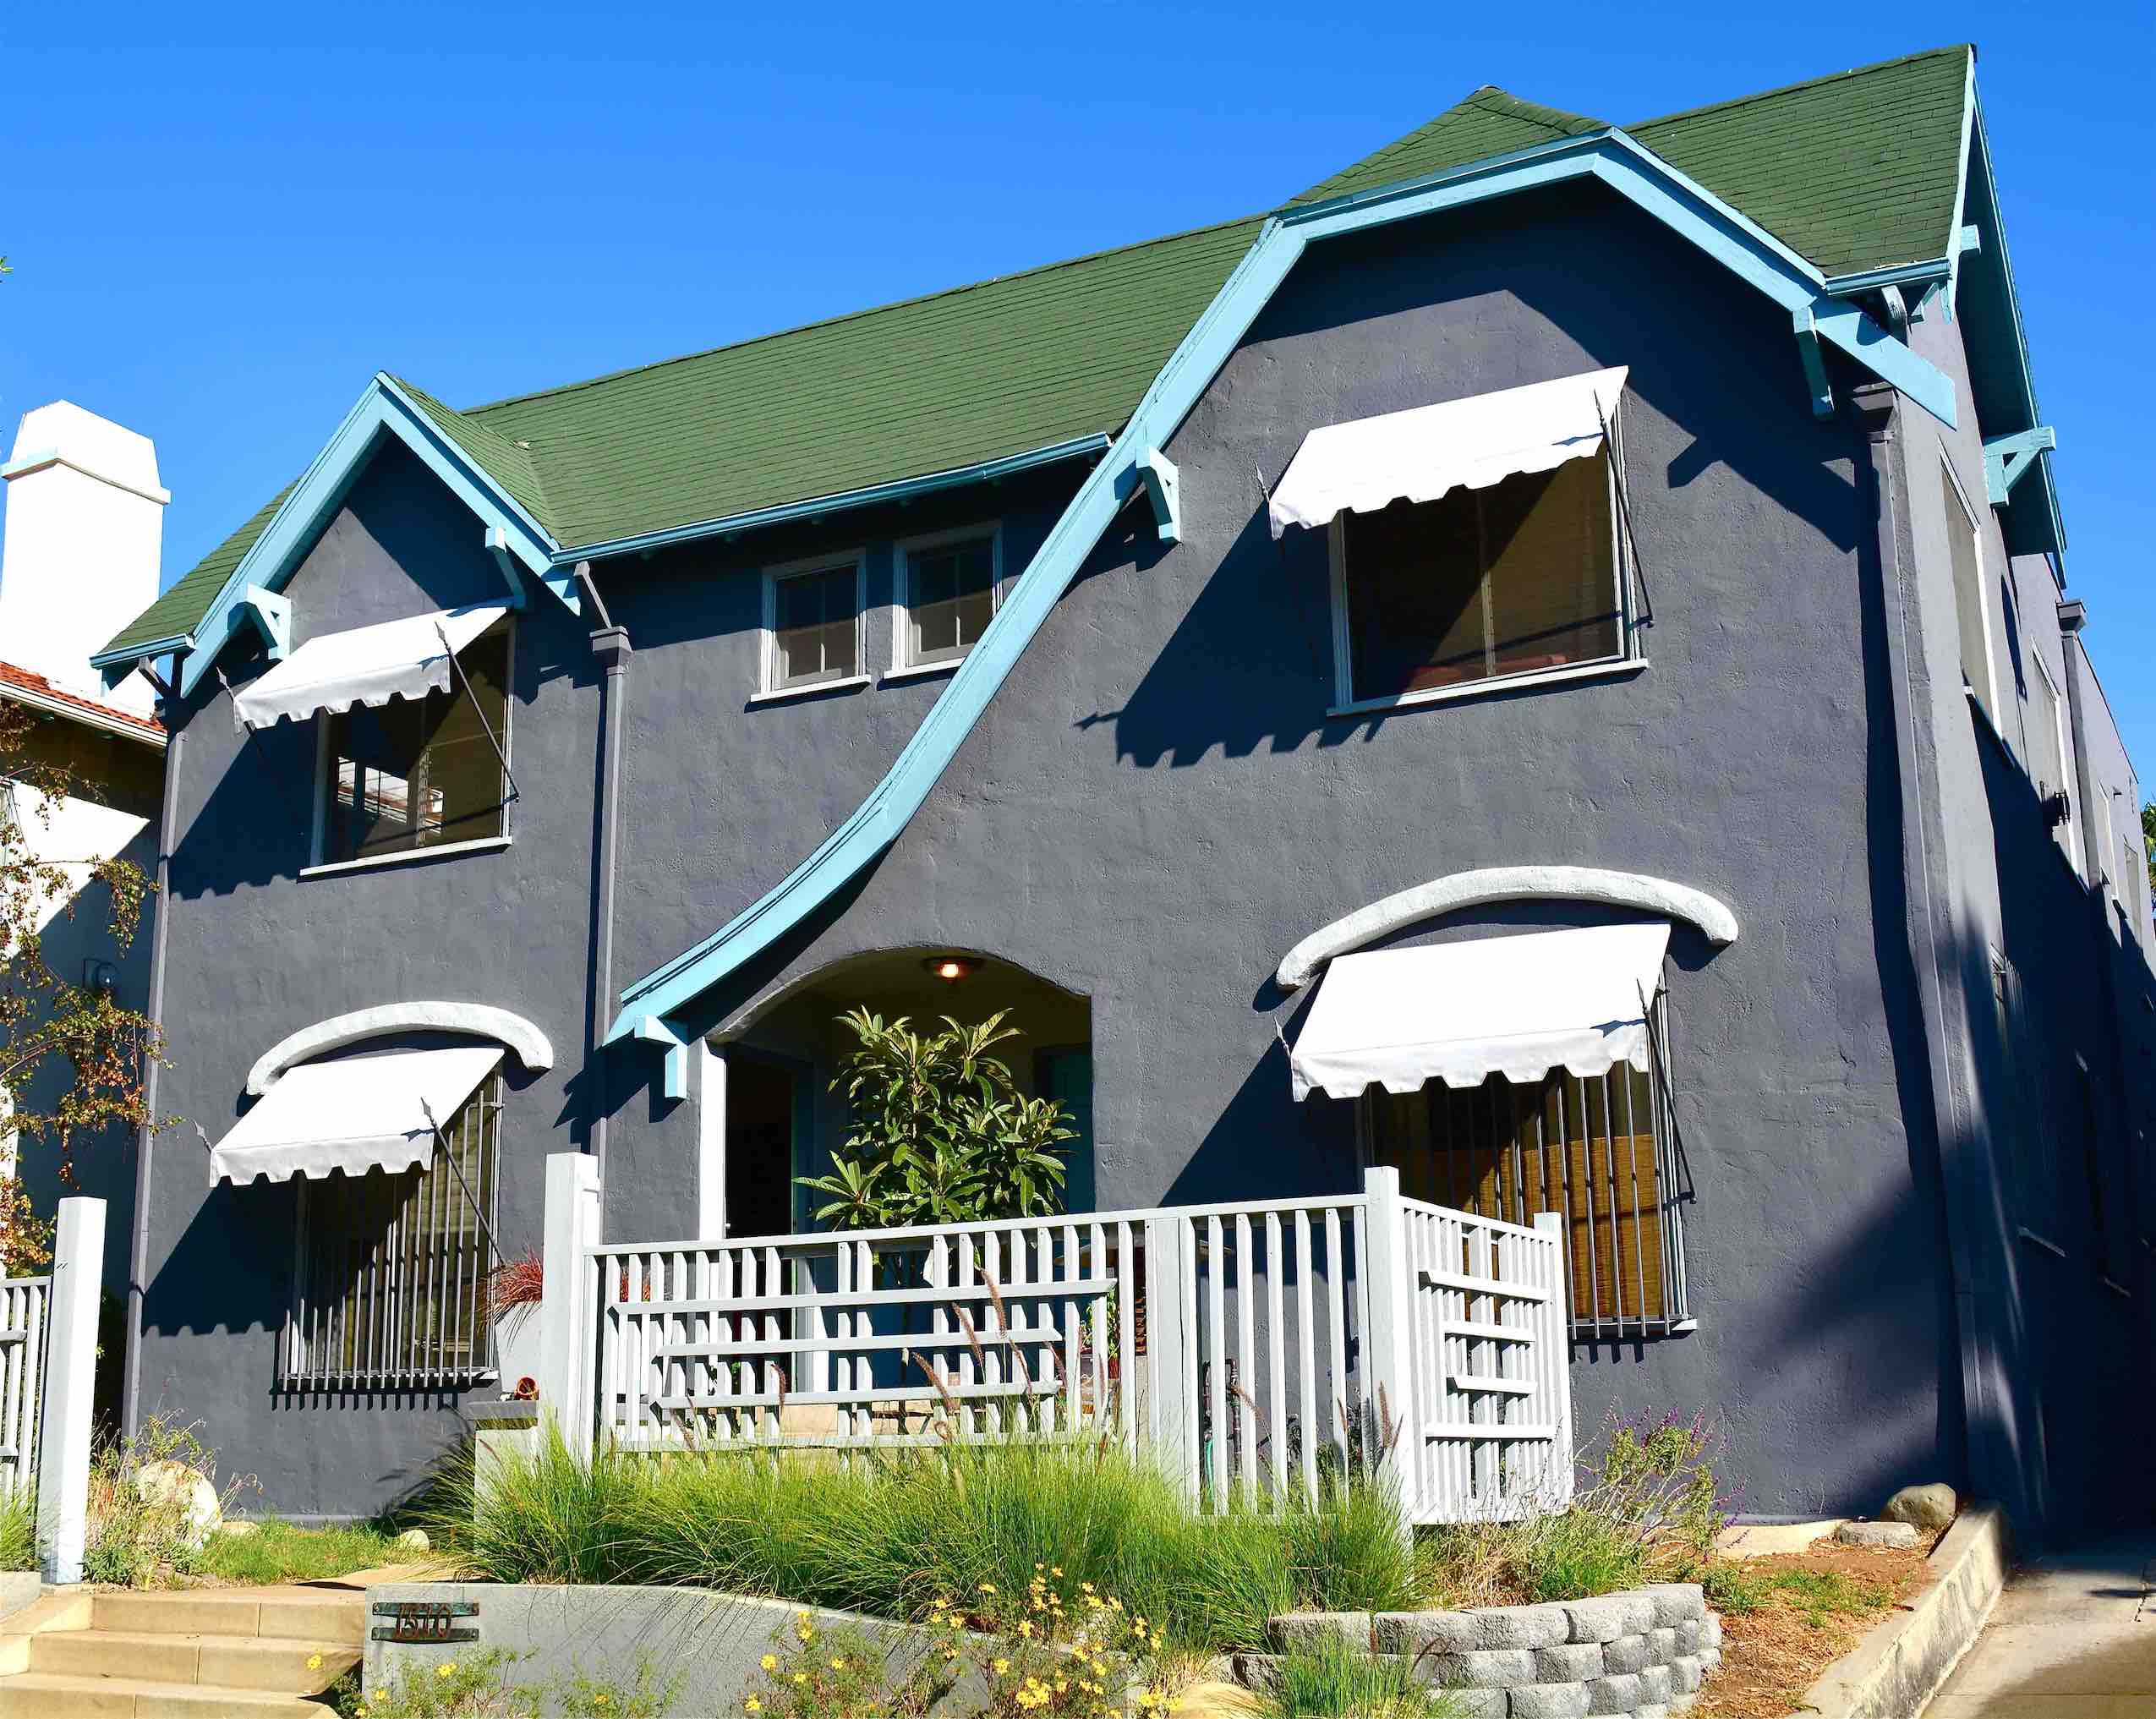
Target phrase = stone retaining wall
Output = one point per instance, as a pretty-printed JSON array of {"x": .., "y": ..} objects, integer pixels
[{"x": 1641, "y": 1653}]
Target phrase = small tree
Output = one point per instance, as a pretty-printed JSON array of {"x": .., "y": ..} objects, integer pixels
[
  {"x": 47, "y": 1019},
  {"x": 941, "y": 1133}
]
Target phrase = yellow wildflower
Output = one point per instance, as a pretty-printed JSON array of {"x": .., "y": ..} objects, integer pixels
[
  {"x": 314, "y": 1661},
  {"x": 1026, "y": 1628},
  {"x": 987, "y": 1587},
  {"x": 838, "y": 1665},
  {"x": 801, "y": 1676},
  {"x": 601, "y": 1699},
  {"x": 1002, "y": 1666},
  {"x": 447, "y": 1669},
  {"x": 771, "y": 1662},
  {"x": 752, "y": 1705},
  {"x": 1056, "y": 1571}
]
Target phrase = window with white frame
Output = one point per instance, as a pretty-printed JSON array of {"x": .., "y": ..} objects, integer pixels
[
  {"x": 418, "y": 774},
  {"x": 390, "y": 1284},
  {"x": 1524, "y": 578},
  {"x": 1971, "y": 605},
  {"x": 948, "y": 586},
  {"x": 2050, "y": 746},
  {"x": 812, "y": 622}
]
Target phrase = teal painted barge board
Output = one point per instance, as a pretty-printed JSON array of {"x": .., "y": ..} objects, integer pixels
[{"x": 1631, "y": 170}]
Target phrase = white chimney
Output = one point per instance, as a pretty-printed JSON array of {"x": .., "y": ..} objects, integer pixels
[{"x": 86, "y": 524}]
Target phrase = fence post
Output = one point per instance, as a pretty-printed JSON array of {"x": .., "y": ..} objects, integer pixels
[
  {"x": 70, "y": 1384},
  {"x": 1168, "y": 1352},
  {"x": 569, "y": 1297},
  {"x": 1387, "y": 1353},
  {"x": 1553, "y": 1345}
]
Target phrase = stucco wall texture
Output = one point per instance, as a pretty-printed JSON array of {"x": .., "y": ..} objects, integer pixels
[{"x": 1156, "y": 806}]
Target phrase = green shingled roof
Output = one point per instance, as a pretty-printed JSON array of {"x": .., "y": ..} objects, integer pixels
[{"x": 1855, "y": 171}]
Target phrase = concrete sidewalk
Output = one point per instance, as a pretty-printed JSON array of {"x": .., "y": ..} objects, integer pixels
[{"x": 2073, "y": 1637}]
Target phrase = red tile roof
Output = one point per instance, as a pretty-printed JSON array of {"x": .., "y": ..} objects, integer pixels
[{"x": 10, "y": 675}]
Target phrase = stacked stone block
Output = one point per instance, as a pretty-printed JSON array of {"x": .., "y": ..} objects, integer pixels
[{"x": 1639, "y": 1655}]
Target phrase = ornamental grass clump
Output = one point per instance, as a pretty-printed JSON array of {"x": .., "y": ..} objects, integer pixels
[
  {"x": 894, "y": 1530},
  {"x": 1648, "y": 1509}
]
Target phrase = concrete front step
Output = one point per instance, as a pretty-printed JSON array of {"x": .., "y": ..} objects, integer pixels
[
  {"x": 279, "y": 1614},
  {"x": 274, "y": 1666},
  {"x": 60, "y": 1695}
]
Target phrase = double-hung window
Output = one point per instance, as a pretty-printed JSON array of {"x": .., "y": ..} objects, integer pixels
[
  {"x": 1600, "y": 1150},
  {"x": 813, "y": 621},
  {"x": 420, "y": 772},
  {"x": 390, "y": 1284},
  {"x": 1972, "y": 606},
  {"x": 947, "y": 592},
  {"x": 1524, "y": 577},
  {"x": 2049, "y": 747}
]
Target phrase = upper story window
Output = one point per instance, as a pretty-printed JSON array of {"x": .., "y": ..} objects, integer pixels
[
  {"x": 1521, "y": 578},
  {"x": 948, "y": 587},
  {"x": 420, "y": 772},
  {"x": 812, "y": 620},
  {"x": 2049, "y": 747},
  {"x": 1973, "y": 609}
]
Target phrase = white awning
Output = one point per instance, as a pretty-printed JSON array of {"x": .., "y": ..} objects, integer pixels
[
  {"x": 367, "y": 665},
  {"x": 1422, "y": 453},
  {"x": 356, "y": 1114},
  {"x": 1460, "y": 1012}
]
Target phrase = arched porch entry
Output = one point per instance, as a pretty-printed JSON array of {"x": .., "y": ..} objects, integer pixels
[{"x": 771, "y": 1068}]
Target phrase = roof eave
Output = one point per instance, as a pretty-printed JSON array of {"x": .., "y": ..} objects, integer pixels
[
  {"x": 898, "y": 489},
  {"x": 123, "y": 723}
]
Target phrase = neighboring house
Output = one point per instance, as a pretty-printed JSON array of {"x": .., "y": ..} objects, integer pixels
[
  {"x": 1687, "y": 803},
  {"x": 84, "y": 518}
]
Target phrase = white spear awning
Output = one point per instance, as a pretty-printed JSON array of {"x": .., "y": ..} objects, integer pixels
[
  {"x": 355, "y": 1115},
  {"x": 1460, "y": 1012},
  {"x": 1420, "y": 454},
  {"x": 369, "y": 665}
]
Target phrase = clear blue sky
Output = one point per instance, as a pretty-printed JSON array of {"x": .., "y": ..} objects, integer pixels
[{"x": 224, "y": 219}]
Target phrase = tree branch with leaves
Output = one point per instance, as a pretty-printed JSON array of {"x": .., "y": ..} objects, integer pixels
[
  {"x": 941, "y": 1133},
  {"x": 51, "y": 1024}
]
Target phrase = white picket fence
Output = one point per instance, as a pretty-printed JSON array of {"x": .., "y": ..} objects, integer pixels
[{"x": 1258, "y": 1348}]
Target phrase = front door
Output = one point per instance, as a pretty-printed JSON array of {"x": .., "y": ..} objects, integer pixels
[{"x": 761, "y": 1104}]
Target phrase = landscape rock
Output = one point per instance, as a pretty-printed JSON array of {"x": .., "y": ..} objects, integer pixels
[
  {"x": 236, "y": 1530},
  {"x": 1216, "y": 1700},
  {"x": 1931, "y": 1508},
  {"x": 1550, "y": 1701},
  {"x": 1616, "y": 1694},
  {"x": 1572, "y": 1662},
  {"x": 1675, "y": 1601},
  {"x": 1611, "y": 1615},
  {"x": 1627, "y": 1653},
  {"x": 412, "y": 1540},
  {"x": 1893, "y": 1534},
  {"x": 1492, "y": 1668},
  {"x": 186, "y": 1495},
  {"x": 1315, "y": 1629}
]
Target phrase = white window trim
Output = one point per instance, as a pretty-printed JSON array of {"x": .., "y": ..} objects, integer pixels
[
  {"x": 1628, "y": 660},
  {"x": 768, "y": 685},
  {"x": 1987, "y": 698},
  {"x": 318, "y": 833},
  {"x": 902, "y": 554},
  {"x": 2062, "y": 739}
]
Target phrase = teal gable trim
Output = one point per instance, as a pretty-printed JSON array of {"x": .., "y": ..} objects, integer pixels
[
  {"x": 902, "y": 490},
  {"x": 115, "y": 666},
  {"x": 384, "y": 409},
  {"x": 1155, "y": 476},
  {"x": 2007, "y": 457},
  {"x": 1630, "y": 170},
  {"x": 673, "y": 1078},
  {"x": 1808, "y": 350}
]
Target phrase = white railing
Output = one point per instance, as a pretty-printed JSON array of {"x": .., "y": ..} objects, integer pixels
[
  {"x": 23, "y": 1305},
  {"x": 1259, "y": 1349}
]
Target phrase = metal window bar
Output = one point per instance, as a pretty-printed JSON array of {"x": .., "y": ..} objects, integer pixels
[
  {"x": 390, "y": 1273},
  {"x": 1599, "y": 1151}
]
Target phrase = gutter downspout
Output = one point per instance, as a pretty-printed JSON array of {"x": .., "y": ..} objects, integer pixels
[
  {"x": 1878, "y": 406},
  {"x": 169, "y": 711},
  {"x": 610, "y": 648}
]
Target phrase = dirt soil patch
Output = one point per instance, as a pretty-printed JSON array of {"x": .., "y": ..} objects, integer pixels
[{"x": 1786, "y": 1618}]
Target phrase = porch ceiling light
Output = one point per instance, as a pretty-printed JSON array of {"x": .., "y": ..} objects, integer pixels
[{"x": 951, "y": 968}]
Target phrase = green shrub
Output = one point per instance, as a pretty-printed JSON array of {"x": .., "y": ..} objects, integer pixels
[
  {"x": 892, "y": 1531},
  {"x": 131, "y": 1541},
  {"x": 474, "y": 1687}
]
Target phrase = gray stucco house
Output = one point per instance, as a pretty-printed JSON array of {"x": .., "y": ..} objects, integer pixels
[{"x": 1635, "y": 546}]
